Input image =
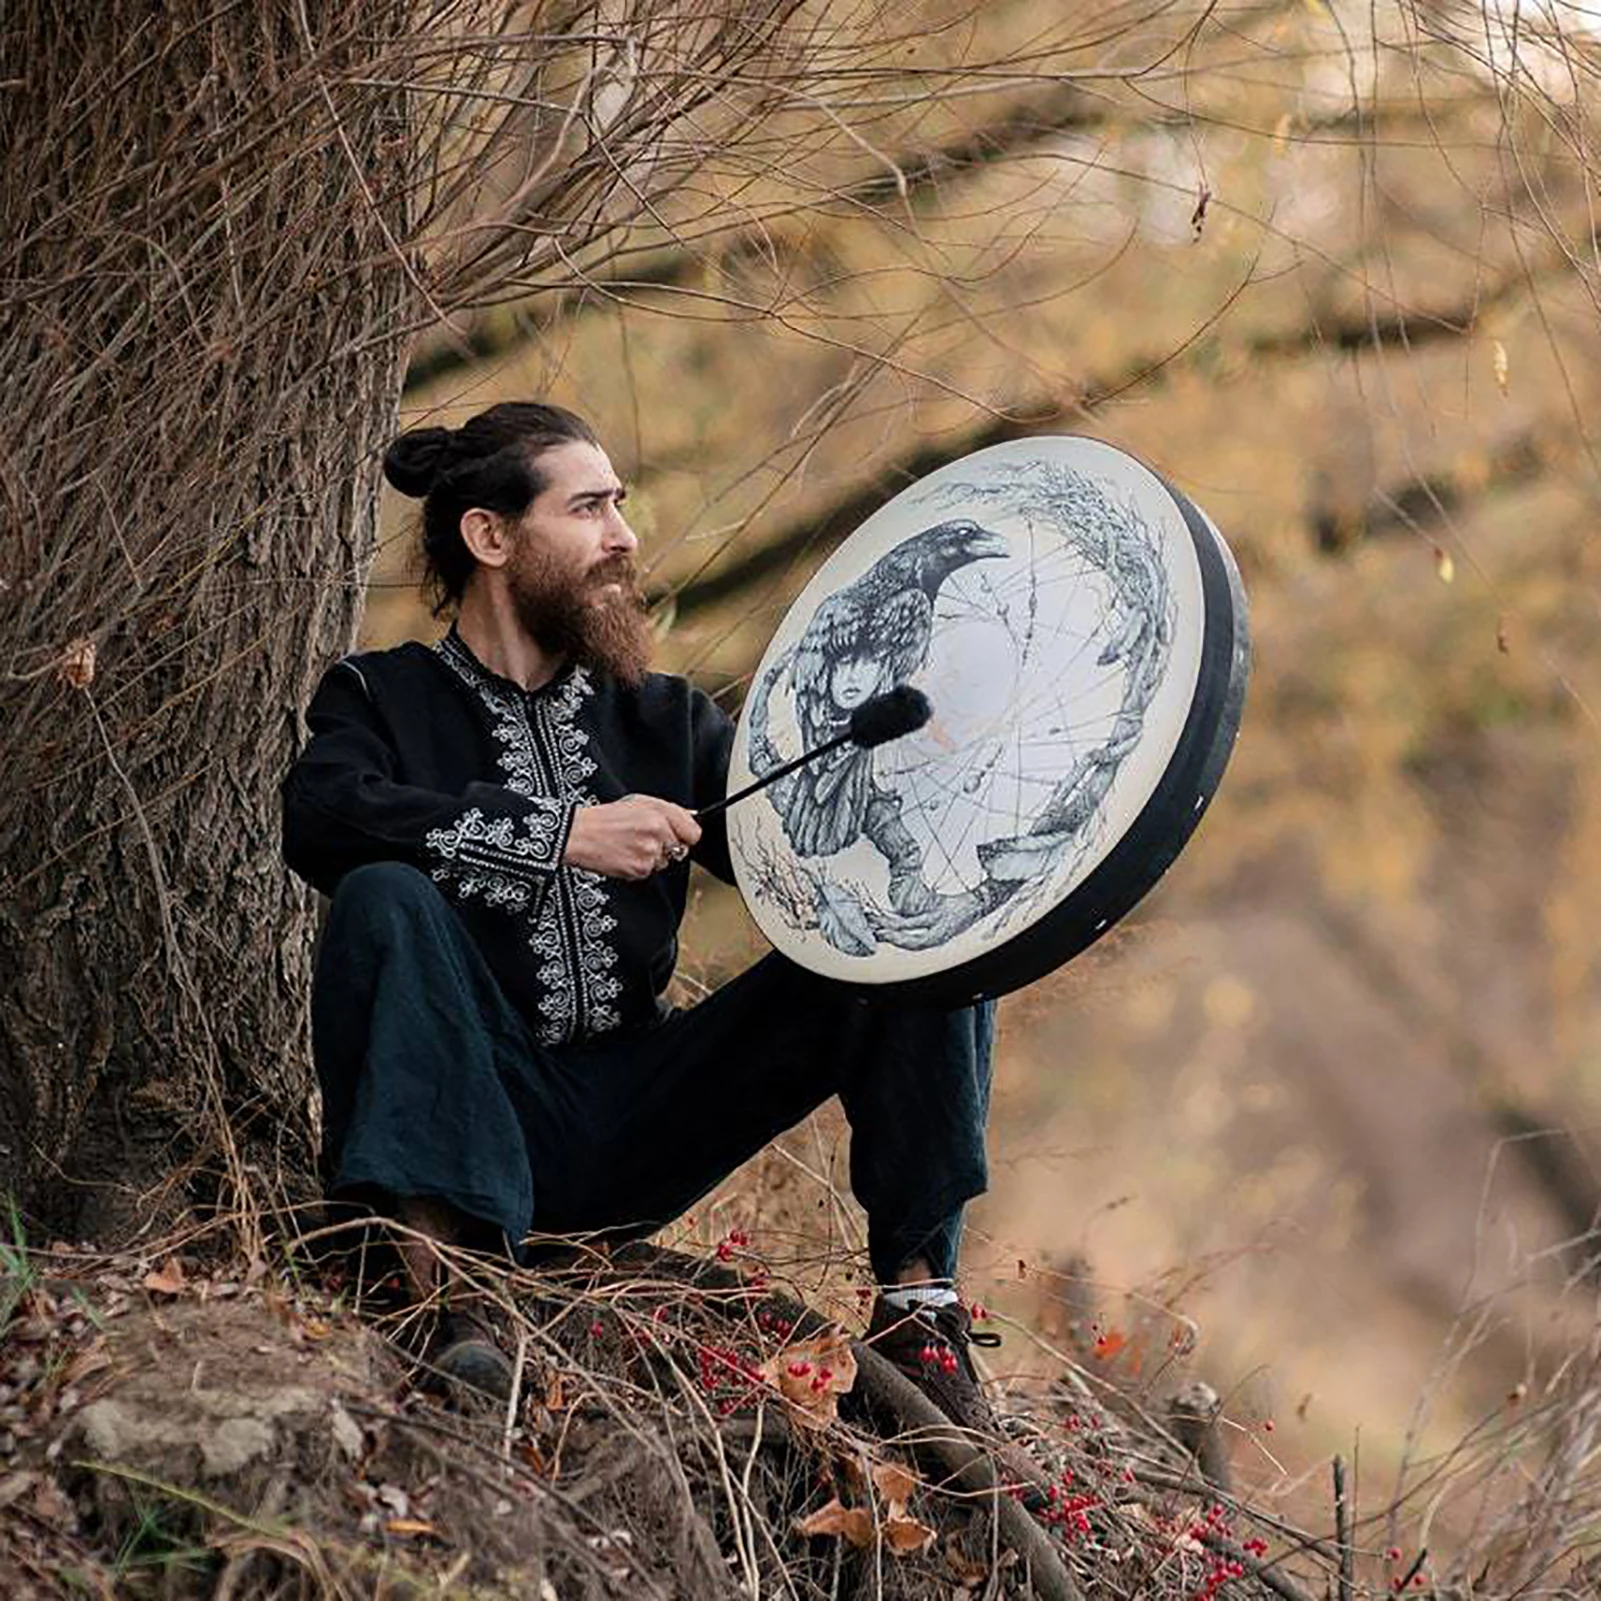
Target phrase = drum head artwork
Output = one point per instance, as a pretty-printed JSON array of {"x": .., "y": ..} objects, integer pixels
[{"x": 1079, "y": 628}]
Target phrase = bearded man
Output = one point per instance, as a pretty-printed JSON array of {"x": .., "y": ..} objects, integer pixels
[{"x": 504, "y": 822}]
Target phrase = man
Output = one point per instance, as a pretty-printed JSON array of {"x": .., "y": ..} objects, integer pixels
[{"x": 504, "y": 822}]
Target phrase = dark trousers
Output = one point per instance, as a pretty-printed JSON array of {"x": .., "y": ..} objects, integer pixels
[{"x": 434, "y": 1086}]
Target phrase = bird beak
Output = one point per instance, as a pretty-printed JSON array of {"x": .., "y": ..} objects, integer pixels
[{"x": 988, "y": 545}]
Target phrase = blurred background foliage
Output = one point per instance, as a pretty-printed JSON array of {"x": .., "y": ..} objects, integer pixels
[{"x": 1332, "y": 1091}]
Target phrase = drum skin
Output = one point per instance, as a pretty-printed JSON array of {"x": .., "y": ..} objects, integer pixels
[{"x": 1080, "y": 627}]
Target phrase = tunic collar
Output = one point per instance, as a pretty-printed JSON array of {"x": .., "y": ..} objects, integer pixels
[{"x": 456, "y": 652}]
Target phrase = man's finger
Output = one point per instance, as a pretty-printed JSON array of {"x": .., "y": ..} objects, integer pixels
[{"x": 683, "y": 824}]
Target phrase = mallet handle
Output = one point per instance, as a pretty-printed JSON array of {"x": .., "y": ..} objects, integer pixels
[{"x": 774, "y": 776}]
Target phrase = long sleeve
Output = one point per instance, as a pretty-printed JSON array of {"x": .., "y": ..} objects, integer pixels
[
  {"x": 343, "y": 807},
  {"x": 712, "y": 732}
]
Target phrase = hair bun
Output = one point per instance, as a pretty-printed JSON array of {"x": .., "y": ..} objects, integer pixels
[{"x": 415, "y": 460}]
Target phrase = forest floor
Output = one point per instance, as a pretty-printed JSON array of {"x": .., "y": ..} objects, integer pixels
[{"x": 174, "y": 1426}]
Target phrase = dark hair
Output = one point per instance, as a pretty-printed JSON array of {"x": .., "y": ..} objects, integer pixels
[{"x": 491, "y": 461}]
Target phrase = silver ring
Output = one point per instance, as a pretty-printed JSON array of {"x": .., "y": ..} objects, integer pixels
[{"x": 676, "y": 853}]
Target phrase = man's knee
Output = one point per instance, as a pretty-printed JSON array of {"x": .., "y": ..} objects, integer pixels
[{"x": 380, "y": 892}]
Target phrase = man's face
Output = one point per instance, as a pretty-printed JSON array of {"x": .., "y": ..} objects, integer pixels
[{"x": 572, "y": 577}]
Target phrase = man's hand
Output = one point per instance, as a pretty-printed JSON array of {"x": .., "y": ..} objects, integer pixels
[{"x": 630, "y": 838}]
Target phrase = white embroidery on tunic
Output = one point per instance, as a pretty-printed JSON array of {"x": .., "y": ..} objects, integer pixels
[
  {"x": 499, "y": 859},
  {"x": 569, "y": 929}
]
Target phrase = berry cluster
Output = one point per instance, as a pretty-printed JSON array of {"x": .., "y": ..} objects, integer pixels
[
  {"x": 820, "y": 1381},
  {"x": 1069, "y": 1510},
  {"x": 1219, "y": 1574},
  {"x": 1214, "y": 1526},
  {"x": 1215, "y": 1523},
  {"x": 734, "y": 1240},
  {"x": 938, "y": 1354},
  {"x": 726, "y": 1377}
]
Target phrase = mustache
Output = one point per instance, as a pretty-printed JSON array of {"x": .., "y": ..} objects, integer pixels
[{"x": 619, "y": 569}]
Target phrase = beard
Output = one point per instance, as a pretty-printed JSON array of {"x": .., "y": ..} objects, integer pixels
[{"x": 570, "y": 613}]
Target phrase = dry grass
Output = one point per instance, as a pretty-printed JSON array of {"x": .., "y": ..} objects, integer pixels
[{"x": 223, "y": 1429}]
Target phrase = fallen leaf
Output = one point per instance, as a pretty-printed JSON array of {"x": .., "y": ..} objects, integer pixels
[
  {"x": 166, "y": 1280},
  {"x": 811, "y": 1375},
  {"x": 86, "y": 1362},
  {"x": 853, "y": 1523},
  {"x": 410, "y": 1526},
  {"x": 395, "y": 1499},
  {"x": 51, "y": 1505},
  {"x": 1443, "y": 565},
  {"x": 895, "y": 1483},
  {"x": 77, "y": 665},
  {"x": 1500, "y": 365},
  {"x": 1110, "y": 1344},
  {"x": 555, "y": 1400},
  {"x": 906, "y": 1536},
  {"x": 1503, "y": 642}
]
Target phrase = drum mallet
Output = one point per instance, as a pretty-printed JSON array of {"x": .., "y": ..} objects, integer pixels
[{"x": 892, "y": 715}]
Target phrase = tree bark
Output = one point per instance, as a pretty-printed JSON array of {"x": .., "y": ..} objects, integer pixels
[
  {"x": 195, "y": 324},
  {"x": 219, "y": 228}
]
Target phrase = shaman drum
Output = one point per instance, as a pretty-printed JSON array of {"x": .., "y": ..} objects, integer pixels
[{"x": 1080, "y": 630}]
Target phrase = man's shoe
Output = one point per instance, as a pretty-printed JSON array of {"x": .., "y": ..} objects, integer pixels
[
  {"x": 930, "y": 1346},
  {"x": 466, "y": 1354}
]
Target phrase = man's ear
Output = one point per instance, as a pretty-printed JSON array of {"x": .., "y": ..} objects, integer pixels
[{"x": 487, "y": 536}]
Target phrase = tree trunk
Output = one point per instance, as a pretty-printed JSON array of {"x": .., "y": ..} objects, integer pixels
[{"x": 198, "y": 307}]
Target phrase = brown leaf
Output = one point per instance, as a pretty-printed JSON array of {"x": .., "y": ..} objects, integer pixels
[
  {"x": 52, "y": 1505},
  {"x": 895, "y": 1483},
  {"x": 853, "y": 1523},
  {"x": 167, "y": 1280},
  {"x": 811, "y": 1375},
  {"x": 77, "y": 665},
  {"x": 906, "y": 1536},
  {"x": 411, "y": 1526},
  {"x": 87, "y": 1361}
]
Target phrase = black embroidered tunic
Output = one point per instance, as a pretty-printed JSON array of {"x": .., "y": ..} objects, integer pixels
[{"x": 423, "y": 755}]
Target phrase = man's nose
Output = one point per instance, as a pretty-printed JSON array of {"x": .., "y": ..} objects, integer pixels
[{"x": 619, "y": 536}]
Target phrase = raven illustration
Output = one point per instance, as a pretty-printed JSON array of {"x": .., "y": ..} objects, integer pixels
[{"x": 870, "y": 636}]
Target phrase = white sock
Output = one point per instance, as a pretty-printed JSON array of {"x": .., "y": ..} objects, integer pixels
[{"x": 919, "y": 1297}]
